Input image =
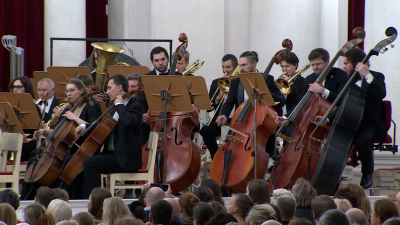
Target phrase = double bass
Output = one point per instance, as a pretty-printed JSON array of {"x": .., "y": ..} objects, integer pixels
[
  {"x": 233, "y": 164},
  {"x": 339, "y": 141},
  {"x": 299, "y": 157}
]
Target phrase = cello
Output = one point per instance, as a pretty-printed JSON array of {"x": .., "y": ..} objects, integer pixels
[
  {"x": 339, "y": 141},
  {"x": 233, "y": 164},
  {"x": 299, "y": 157}
]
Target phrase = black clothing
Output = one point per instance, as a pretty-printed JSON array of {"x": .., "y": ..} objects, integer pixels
[
  {"x": 295, "y": 94},
  {"x": 54, "y": 103},
  {"x": 96, "y": 105}
]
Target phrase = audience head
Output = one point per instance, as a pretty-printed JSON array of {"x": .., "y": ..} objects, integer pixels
[
  {"x": 60, "y": 209},
  {"x": 287, "y": 206},
  {"x": 114, "y": 208},
  {"x": 334, "y": 217},
  {"x": 84, "y": 218},
  {"x": 68, "y": 222},
  {"x": 356, "y": 195},
  {"x": 203, "y": 214},
  {"x": 260, "y": 213},
  {"x": 10, "y": 197},
  {"x": 152, "y": 195},
  {"x": 277, "y": 212},
  {"x": 321, "y": 204},
  {"x": 61, "y": 194},
  {"x": 392, "y": 221},
  {"x": 342, "y": 204},
  {"x": 213, "y": 185},
  {"x": 278, "y": 192},
  {"x": 356, "y": 216},
  {"x": 188, "y": 201},
  {"x": 176, "y": 208},
  {"x": 396, "y": 199},
  {"x": 223, "y": 218},
  {"x": 22, "y": 85},
  {"x": 143, "y": 194},
  {"x": 45, "y": 195},
  {"x": 303, "y": 193},
  {"x": 205, "y": 194},
  {"x": 95, "y": 203},
  {"x": 46, "y": 88},
  {"x": 383, "y": 210},
  {"x": 128, "y": 220},
  {"x": 258, "y": 190},
  {"x": 161, "y": 212},
  {"x": 8, "y": 214},
  {"x": 35, "y": 214},
  {"x": 239, "y": 206},
  {"x": 218, "y": 208},
  {"x": 271, "y": 222},
  {"x": 137, "y": 210},
  {"x": 299, "y": 221}
]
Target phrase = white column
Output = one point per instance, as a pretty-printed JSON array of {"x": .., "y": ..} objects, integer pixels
[{"x": 65, "y": 19}]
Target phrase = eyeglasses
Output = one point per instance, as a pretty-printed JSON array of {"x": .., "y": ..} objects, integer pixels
[{"x": 18, "y": 87}]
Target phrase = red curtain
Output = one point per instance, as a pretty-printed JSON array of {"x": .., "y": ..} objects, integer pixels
[
  {"x": 356, "y": 18},
  {"x": 96, "y": 21},
  {"x": 24, "y": 19}
]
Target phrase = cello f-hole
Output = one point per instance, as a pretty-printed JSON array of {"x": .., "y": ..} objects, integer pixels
[
  {"x": 247, "y": 142},
  {"x": 176, "y": 136}
]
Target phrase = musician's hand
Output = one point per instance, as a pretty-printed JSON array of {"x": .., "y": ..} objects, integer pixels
[
  {"x": 362, "y": 69},
  {"x": 221, "y": 120},
  {"x": 98, "y": 97},
  {"x": 280, "y": 121},
  {"x": 78, "y": 131},
  {"x": 219, "y": 96},
  {"x": 318, "y": 119},
  {"x": 286, "y": 77},
  {"x": 316, "y": 88},
  {"x": 57, "y": 111},
  {"x": 71, "y": 116},
  {"x": 119, "y": 99},
  {"x": 37, "y": 134},
  {"x": 146, "y": 118}
]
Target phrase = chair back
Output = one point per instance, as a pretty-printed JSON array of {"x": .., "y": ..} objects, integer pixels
[
  {"x": 387, "y": 110},
  {"x": 153, "y": 141}
]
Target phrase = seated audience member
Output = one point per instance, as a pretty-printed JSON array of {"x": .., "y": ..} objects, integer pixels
[
  {"x": 160, "y": 212},
  {"x": 304, "y": 193},
  {"x": 299, "y": 221},
  {"x": 10, "y": 197},
  {"x": 152, "y": 195},
  {"x": 128, "y": 220},
  {"x": 287, "y": 206},
  {"x": 84, "y": 218},
  {"x": 239, "y": 206},
  {"x": 334, "y": 217},
  {"x": 258, "y": 190},
  {"x": 45, "y": 195},
  {"x": 176, "y": 208},
  {"x": 278, "y": 192},
  {"x": 187, "y": 202},
  {"x": 205, "y": 194},
  {"x": 260, "y": 213},
  {"x": 213, "y": 185},
  {"x": 271, "y": 222},
  {"x": 383, "y": 210},
  {"x": 396, "y": 199},
  {"x": 223, "y": 218},
  {"x": 137, "y": 210},
  {"x": 114, "y": 208},
  {"x": 356, "y": 216},
  {"x": 8, "y": 214},
  {"x": 68, "y": 222},
  {"x": 277, "y": 212},
  {"x": 342, "y": 204},
  {"x": 142, "y": 195},
  {"x": 95, "y": 203},
  {"x": 35, "y": 214},
  {"x": 356, "y": 195},
  {"x": 218, "y": 208},
  {"x": 60, "y": 209},
  {"x": 203, "y": 214},
  {"x": 321, "y": 204},
  {"x": 392, "y": 221},
  {"x": 61, "y": 194}
]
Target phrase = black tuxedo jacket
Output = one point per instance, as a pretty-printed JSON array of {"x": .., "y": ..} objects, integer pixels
[
  {"x": 55, "y": 103},
  {"x": 213, "y": 89},
  {"x": 236, "y": 95},
  {"x": 294, "y": 97},
  {"x": 335, "y": 81}
]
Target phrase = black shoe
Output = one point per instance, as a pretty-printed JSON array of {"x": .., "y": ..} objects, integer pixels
[
  {"x": 366, "y": 181},
  {"x": 128, "y": 193}
]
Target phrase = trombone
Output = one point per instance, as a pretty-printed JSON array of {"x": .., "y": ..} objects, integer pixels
[
  {"x": 284, "y": 85},
  {"x": 193, "y": 68}
]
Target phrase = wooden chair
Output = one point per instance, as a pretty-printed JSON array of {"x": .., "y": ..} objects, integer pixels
[
  {"x": 10, "y": 142},
  {"x": 137, "y": 175}
]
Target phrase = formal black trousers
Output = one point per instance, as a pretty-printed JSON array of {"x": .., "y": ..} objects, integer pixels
[
  {"x": 365, "y": 134},
  {"x": 209, "y": 134}
]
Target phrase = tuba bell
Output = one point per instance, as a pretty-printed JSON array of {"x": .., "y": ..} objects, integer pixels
[{"x": 106, "y": 55}]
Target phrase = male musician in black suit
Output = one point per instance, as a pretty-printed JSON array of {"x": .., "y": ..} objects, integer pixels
[
  {"x": 209, "y": 133},
  {"x": 45, "y": 89},
  {"x": 237, "y": 95},
  {"x": 373, "y": 121},
  {"x": 122, "y": 150}
]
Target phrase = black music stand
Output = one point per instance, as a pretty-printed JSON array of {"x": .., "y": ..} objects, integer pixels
[
  {"x": 255, "y": 86},
  {"x": 175, "y": 96}
]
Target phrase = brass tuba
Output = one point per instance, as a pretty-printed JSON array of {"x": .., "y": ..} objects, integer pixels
[
  {"x": 193, "y": 68},
  {"x": 284, "y": 85},
  {"x": 106, "y": 55}
]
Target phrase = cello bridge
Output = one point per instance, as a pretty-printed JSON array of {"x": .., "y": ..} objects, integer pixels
[
  {"x": 162, "y": 134},
  {"x": 285, "y": 138},
  {"x": 233, "y": 138}
]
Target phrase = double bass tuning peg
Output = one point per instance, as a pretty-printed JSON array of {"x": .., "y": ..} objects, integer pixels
[
  {"x": 391, "y": 46},
  {"x": 384, "y": 50}
]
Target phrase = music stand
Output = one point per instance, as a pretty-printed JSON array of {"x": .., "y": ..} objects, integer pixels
[
  {"x": 126, "y": 70},
  {"x": 257, "y": 89},
  {"x": 60, "y": 75},
  {"x": 9, "y": 121},
  {"x": 24, "y": 107},
  {"x": 170, "y": 91},
  {"x": 198, "y": 88}
]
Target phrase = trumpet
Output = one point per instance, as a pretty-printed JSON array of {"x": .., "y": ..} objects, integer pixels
[
  {"x": 284, "y": 85},
  {"x": 39, "y": 100},
  {"x": 193, "y": 68}
]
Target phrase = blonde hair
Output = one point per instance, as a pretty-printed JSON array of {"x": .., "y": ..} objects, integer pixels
[
  {"x": 342, "y": 204},
  {"x": 8, "y": 214},
  {"x": 260, "y": 213},
  {"x": 68, "y": 222},
  {"x": 60, "y": 209},
  {"x": 84, "y": 218},
  {"x": 278, "y": 192},
  {"x": 35, "y": 214},
  {"x": 114, "y": 208}
]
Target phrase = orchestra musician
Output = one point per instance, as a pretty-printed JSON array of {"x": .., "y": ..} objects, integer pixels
[
  {"x": 182, "y": 64},
  {"x": 237, "y": 95},
  {"x": 88, "y": 82},
  {"x": 373, "y": 122},
  {"x": 210, "y": 132},
  {"x": 45, "y": 89},
  {"x": 122, "y": 150}
]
